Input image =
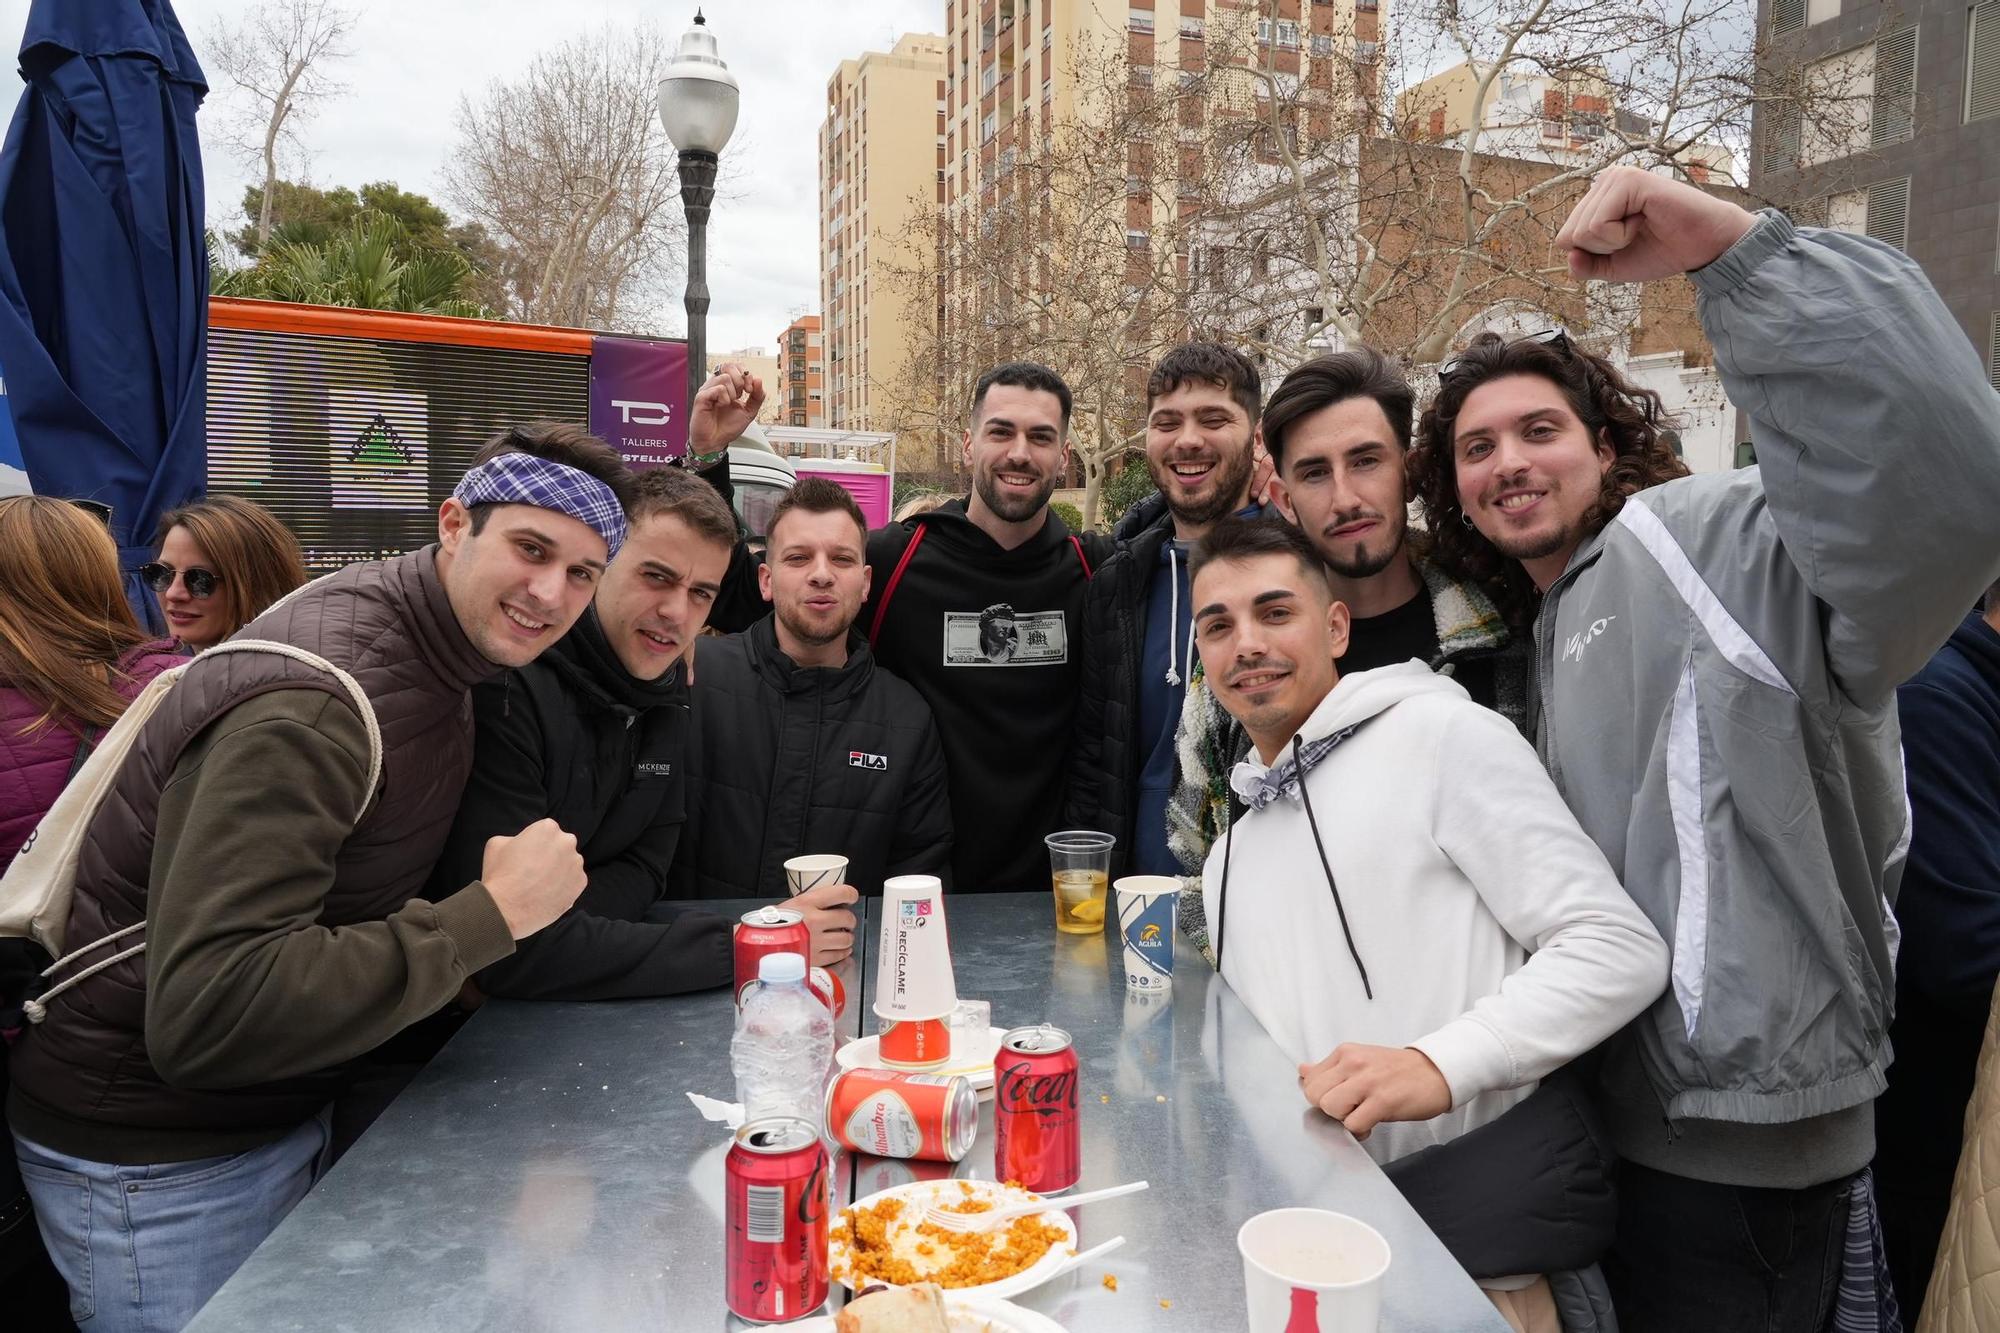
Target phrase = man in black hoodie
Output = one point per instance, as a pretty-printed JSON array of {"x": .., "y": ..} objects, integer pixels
[
  {"x": 977, "y": 604},
  {"x": 799, "y": 743},
  {"x": 594, "y": 734}
]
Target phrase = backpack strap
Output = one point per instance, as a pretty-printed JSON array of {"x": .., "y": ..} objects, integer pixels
[
  {"x": 889, "y": 588},
  {"x": 37, "y": 1009},
  {"x": 1082, "y": 559}
]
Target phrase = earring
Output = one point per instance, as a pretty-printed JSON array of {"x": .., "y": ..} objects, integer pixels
[{"x": 1465, "y": 518}]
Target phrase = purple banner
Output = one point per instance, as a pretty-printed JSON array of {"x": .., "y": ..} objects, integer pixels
[{"x": 638, "y": 398}]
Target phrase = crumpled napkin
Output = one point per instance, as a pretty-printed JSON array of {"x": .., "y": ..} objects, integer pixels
[{"x": 724, "y": 1113}]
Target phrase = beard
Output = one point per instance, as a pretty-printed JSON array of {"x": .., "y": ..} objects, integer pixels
[
  {"x": 1530, "y": 546},
  {"x": 1232, "y": 480},
  {"x": 1363, "y": 560},
  {"x": 810, "y": 633},
  {"x": 1012, "y": 506}
]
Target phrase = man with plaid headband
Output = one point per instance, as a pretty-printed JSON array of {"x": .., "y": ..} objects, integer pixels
[{"x": 171, "y": 1108}]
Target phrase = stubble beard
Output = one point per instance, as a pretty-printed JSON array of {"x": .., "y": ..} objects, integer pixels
[
  {"x": 1009, "y": 506},
  {"x": 1231, "y": 484}
]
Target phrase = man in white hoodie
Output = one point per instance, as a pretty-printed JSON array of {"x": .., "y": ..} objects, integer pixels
[{"x": 1420, "y": 922}]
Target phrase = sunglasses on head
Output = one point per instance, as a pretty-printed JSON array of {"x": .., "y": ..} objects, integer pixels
[
  {"x": 97, "y": 509},
  {"x": 1556, "y": 338},
  {"x": 200, "y": 582}
]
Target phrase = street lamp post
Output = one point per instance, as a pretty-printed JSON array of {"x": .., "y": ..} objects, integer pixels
[{"x": 698, "y": 98}]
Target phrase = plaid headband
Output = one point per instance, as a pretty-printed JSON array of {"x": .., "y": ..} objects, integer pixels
[{"x": 524, "y": 479}]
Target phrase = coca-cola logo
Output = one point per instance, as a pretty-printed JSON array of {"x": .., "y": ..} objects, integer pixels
[
  {"x": 812, "y": 1199},
  {"x": 1044, "y": 1094}
]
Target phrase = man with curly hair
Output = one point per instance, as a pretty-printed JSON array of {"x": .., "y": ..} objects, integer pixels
[{"x": 1717, "y": 658}]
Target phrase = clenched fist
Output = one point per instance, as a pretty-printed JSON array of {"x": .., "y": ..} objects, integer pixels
[
  {"x": 533, "y": 876},
  {"x": 1634, "y": 226},
  {"x": 828, "y": 921},
  {"x": 724, "y": 407}
]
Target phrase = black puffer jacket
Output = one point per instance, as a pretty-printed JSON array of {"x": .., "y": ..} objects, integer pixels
[
  {"x": 575, "y": 738},
  {"x": 789, "y": 761},
  {"x": 1105, "y": 757}
]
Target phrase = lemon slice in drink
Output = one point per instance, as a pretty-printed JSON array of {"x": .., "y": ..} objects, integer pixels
[{"x": 1090, "y": 909}]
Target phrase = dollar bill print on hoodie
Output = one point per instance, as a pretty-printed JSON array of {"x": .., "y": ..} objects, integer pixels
[{"x": 1002, "y": 636}]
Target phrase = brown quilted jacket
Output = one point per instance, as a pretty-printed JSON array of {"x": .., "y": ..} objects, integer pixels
[
  {"x": 84, "y": 1081},
  {"x": 1964, "y": 1295}
]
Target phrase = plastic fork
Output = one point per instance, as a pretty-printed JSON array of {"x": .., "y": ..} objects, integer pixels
[{"x": 993, "y": 1217}]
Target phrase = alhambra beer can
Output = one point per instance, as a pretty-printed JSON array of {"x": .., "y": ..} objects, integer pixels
[
  {"x": 775, "y": 1221},
  {"x": 768, "y": 930},
  {"x": 931, "y": 1116},
  {"x": 1037, "y": 1132}
]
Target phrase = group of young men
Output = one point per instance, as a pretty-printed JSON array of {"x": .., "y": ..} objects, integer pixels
[{"x": 1604, "y": 764}]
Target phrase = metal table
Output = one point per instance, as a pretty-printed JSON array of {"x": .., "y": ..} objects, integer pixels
[{"x": 546, "y": 1171}]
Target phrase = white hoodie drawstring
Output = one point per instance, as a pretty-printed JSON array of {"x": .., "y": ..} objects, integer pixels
[{"x": 1186, "y": 669}]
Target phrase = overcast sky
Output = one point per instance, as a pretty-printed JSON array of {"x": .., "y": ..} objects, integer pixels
[{"x": 413, "y": 59}]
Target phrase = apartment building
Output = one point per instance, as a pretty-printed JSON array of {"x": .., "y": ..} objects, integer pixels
[
  {"x": 1530, "y": 114},
  {"x": 881, "y": 161},
  {"x": 801, "y": 390},
  {"x": 1885, "y": 119}
]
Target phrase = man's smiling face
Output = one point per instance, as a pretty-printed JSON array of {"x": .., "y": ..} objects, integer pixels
[{"x": 1198, "y": 451}]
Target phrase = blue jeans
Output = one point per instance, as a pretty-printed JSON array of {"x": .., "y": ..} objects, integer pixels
[{"x": 144, "y": 1247}]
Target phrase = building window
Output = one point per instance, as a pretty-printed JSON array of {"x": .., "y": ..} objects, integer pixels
[
  {"x": 1993, "y": 352},
  {"x": 1787, "y": 15},
  {"x": 1894, "y": 112},
  {"x": 1819, "y": 11},
  {"x": 1365, "y": 52},
  {"x": 1288, "y": 34},
  {"x": 1137, "y": 239},
  {"x": 1142, "y": 76},
  {"x": 1322, "y": 43},
  {"x": 989, "y": 127},
  {"x": 1139, "y": 20},
  {"x": 1982, "y": 63},
  {"x": 1192, "y": 29},
  {"x": 1782, "y": 131},
  {"x": 1889, "y": 212}
]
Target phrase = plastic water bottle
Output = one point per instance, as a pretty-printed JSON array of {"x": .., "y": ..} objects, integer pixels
[{"x": 783, "y": 1043}]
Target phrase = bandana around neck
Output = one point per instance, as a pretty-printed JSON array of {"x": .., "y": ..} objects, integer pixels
[{"x": 524, "y": 479}]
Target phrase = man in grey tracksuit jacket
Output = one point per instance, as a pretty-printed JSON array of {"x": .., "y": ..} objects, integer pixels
[{"x": 1716, "y": 675}]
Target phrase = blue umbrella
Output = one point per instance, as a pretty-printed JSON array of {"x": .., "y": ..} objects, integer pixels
[{"x": 103, "y": 273}]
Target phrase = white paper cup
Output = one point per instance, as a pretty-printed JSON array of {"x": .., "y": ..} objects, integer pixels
[
  {"x": 913, "y": 977},
  {"x": 1306, "y": 1268},
  {"x": 806, "y": 873},
  {"x": 1146, "y": 907}
]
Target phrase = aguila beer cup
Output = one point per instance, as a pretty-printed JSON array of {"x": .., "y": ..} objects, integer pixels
[
  {"x": 775, "y": 1222},
  {"x": 932, "y": 1116},
  {"x": 768, "y": 930},
  {"x": 1037, "y": 1134}
]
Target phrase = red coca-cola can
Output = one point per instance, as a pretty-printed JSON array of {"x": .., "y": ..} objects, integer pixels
[
  {"x": 775, "y": 1220},
  {"x": 1037, "y": 1132},
  {"x": 768, "y": 930},
  {"x": 932, "y": 1116}
]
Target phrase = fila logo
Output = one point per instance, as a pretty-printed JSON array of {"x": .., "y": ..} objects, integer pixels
[
  {"x": 860, "y": 759},
  {"x": 1578, "y": 642}
]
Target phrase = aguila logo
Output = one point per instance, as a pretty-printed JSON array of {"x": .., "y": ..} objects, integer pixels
[
  {"x": 1150, "y": 934},
  {"x": 1044, "y": 1094}
]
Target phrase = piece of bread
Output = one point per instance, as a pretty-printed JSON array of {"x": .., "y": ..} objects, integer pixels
[{"x": 918, "y": 1309}]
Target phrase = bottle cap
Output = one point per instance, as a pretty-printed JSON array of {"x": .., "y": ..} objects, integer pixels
[{"x": 781, "y": 967}]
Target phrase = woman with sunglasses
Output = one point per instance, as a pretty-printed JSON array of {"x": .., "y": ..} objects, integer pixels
[{"x": 222, "y": 561}]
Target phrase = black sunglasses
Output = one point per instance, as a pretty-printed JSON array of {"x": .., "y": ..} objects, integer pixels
[
  {"x": 97, "y": 509},
  {"x": 1556, "y": 338},
  {"x": 200, "y": 582}
]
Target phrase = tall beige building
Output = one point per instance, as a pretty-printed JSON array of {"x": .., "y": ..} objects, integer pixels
[{"x": 881, "y": 157}]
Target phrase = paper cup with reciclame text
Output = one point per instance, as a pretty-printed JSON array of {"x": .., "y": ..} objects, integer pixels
[{"x": 915, "y": 990}]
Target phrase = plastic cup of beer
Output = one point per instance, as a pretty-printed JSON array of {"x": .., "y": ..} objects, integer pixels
[
  {"x": 803, "y": 874},
  {"x": 1146, "y": 905},
  {"x": 1080, "y": 863},
  {"x": 1306, "y": 1268}
]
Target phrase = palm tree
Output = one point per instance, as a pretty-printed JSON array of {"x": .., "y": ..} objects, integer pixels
[{"x": 363, "y": 266}]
